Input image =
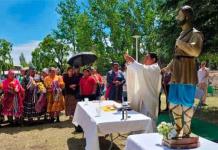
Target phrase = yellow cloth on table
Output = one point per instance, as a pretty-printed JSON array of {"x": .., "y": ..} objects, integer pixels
[{"x": 108, "y": 108}]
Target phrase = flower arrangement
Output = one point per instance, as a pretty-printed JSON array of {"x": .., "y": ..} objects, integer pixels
[
  {"x": 167, "y": 130},
  {"x": 41, "y": 87}
]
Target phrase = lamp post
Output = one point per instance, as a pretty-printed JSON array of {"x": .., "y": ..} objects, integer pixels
[{"x": 136, "y": 38}]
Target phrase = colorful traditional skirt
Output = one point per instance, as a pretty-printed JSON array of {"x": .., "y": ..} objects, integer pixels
[
  {"x": 30, "y": 101},
  {"x": 55, "y": 104},
  {"x": 12, "y": 105},
  {"x": 70, "y": 104}
]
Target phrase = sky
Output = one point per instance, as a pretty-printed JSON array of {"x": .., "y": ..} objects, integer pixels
[{"x": 25, "y": 23}]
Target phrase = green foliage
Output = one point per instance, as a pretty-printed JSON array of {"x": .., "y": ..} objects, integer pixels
[
  {"x": 22, "y": 59},
  {"x": 51, "y": 52},
  {"x": 106, "y": 27},
  {"x": 6, "y": 61},
  {"x": 66, "y": 28},
  {"x": 211, "y": 59}
]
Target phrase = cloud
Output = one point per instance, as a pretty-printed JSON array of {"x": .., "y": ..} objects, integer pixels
[{"x": 26, "y": 48}]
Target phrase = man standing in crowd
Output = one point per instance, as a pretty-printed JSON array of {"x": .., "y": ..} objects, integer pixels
[
  {"x": 203, "y": 81},
  {"x": 115, "y": 81},
  {"x": 143, "y": 85}
]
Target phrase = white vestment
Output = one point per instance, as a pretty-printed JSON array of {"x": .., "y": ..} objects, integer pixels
[{"x": 143, "y": 88}]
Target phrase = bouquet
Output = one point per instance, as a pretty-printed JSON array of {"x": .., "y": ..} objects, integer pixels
[
  {"x": 41, "y": 87},
  {"x": 167, "y": 130}
]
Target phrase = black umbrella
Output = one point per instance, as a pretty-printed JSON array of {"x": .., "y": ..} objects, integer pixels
[{"x": 82, "y": 59}]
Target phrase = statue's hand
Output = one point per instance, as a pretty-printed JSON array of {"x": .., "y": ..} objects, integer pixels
[
  {"x": 179, "y": 43},
  {"x": 163, "y": 70}
]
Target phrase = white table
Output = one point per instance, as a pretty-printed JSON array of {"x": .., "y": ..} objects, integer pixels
[
  {"x": 107, "y": 123},
  {"x": 152, "y": 141}
]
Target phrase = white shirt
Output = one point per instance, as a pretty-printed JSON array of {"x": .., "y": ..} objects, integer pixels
[{"x": 202, "y": 75}]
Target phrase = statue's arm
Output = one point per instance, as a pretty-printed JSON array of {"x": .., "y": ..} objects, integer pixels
[{"x": 193, "y": 47}]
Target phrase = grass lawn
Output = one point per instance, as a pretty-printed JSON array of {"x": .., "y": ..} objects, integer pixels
[{"x": 205, "y": 120}]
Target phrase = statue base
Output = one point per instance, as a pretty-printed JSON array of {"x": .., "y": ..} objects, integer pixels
[{"x": 182, "y": 143}]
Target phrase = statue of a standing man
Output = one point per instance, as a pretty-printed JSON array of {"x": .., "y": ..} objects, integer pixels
[{"x": 184, "y": 72}]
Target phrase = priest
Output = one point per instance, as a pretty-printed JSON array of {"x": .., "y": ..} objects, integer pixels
[{"x": 143, "y": 85}]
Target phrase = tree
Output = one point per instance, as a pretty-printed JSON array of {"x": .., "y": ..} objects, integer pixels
[
  {"x": 50, "y": 52},
  {"x": 106, "y": 27},
  {"x": 6, "y": 61},
  {"x": 22, "y": 59},
  {"x": 66, "y": 28}
]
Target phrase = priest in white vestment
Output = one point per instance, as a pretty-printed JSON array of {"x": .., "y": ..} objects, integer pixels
[{"x": 143, "y": 85}]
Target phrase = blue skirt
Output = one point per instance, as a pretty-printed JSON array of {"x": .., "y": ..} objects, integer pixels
[{"x": 182, "y": 94}]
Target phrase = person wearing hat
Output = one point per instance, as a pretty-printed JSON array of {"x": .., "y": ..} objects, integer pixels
[
  {"x": 88, "y": 85},
  {"x": 55, "y": 100},
  {"x": 115, "y": 81}
]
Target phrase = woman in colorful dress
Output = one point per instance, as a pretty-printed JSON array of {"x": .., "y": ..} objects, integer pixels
[
  {"x": 12, "y": 101},
  {"x": 30, "y": 100},
  {"x": 55, "y": 100}
]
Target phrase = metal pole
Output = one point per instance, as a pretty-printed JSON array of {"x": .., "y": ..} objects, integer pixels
[
  {"x": 137, "y": 59},
  {"x": 136, "y": 38}
]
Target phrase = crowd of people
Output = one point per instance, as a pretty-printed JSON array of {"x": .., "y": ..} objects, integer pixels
[{"x": 33, "y": 95}]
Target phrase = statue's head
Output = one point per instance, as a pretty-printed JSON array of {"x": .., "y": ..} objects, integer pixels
[{"x": 185, "y": 15}]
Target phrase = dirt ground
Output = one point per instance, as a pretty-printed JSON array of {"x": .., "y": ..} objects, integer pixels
[
  {"x": 45, "y": 136},
  {"x": 61, "y": 136}
]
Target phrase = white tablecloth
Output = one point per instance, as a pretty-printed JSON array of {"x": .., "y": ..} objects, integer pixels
[
  {"x": 107, "y": 123},
  {"x": 152, "y": 141}
]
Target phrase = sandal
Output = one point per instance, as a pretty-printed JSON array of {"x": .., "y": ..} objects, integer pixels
[
  {"x": 176, "y": 116},
  {"x": 185, "y": 124}
]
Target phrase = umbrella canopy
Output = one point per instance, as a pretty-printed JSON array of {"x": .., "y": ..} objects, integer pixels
[{"x": 82, "y": 59}]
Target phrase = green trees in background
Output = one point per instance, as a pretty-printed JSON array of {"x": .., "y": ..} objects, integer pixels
[
  {"x": 205, "y": 20},
  {"x": 22, "y": 59},
  {"x": 106, "y": 27},
  {"x": 50, "y": 52},
  {"x": 6, "y": 61}
]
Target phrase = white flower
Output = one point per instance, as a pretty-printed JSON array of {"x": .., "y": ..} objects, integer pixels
[
  {"x": 167, "y": 130},
  {"x": 172, "y": 134}
]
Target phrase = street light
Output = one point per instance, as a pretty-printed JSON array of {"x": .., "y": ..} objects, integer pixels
[{"x": 136, "y": 37}]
